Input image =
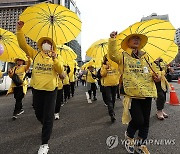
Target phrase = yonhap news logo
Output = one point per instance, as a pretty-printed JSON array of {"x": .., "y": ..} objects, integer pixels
[{"x": 113, "y": 141}]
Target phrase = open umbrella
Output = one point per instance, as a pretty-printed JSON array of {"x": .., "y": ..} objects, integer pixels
[
  {"x": 73, "y": 63},
  {"x": 170, "y": 54},
  {"x": 98, "y": 49},
  {"x": 66, "y": 53},
  {"x": 87, "y": 64},
  {"x": 11, "y": 49},
  {"x": 160, "y": 34},
  {"x": 50, "y": 20}
]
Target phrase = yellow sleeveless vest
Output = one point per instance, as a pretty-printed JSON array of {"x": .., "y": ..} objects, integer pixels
[{"x": 137, "y": 78}]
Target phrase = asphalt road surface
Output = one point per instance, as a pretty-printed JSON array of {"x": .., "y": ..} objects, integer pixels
[{"x": 83, "y": 128}]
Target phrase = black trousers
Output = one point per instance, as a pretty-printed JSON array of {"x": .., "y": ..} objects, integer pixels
[
  {"x": 59, "y": 100},
  {"x": 110, "y": 92},
  {"x": 93, "y": 89},
  {"x": 83, "y": 82},
  {"x": 18, "y": 95},
  {"x": 72, "y": 85},
  {"x": 102, "y": 89},
  {"x": 161, "y": 98},
  {"x": 140, "y": 114},
  {"x": 118, "y": 92},
  {"x": 44, "y": 104},
  {"x": 66, "y": 89}
]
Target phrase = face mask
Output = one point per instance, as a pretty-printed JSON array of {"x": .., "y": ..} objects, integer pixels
[{"x": 46, "y": 47}]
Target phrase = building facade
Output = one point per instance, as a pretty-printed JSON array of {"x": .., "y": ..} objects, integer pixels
[
  {"x": 11, "y": 9},
  {"x": 155, "y": 16}
]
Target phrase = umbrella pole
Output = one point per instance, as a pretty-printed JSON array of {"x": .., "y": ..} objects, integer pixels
[
  {"x": 52, "y": 23},
  {"x": 151, "y": 68}
]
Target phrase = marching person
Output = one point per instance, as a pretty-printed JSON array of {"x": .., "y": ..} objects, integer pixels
[
  {"x": 83, "y": 77},
  {"x": 59, "y": 99},
  {"x": 162, "y": 88},
  {"x": 19, "y": 91},
  {"x": 66, "y": 84},
  {"x": 91, "y": 82},
  {"x": 138, "y": 85},
  {"x": 109, "y": 81},
  {"x": 72, "y": 81},
  {"x": 46, "y": 66}
]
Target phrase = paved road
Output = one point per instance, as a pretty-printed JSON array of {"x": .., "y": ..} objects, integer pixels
[{"x": 83, "y": 128}]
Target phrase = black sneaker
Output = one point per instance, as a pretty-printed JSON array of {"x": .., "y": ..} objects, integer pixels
[
  {"x": 94, "y": 99},
  {"x": 113, "y": 119}
]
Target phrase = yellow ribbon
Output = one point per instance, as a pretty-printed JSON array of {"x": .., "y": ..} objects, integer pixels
[{"x": 127, "y": 105}]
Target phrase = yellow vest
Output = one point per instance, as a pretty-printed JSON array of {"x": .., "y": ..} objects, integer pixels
[
  {"x": 20, "y": 71},
  {"x": 90, "y": 78},
  {"x": 137, "y": 78},
  {"x": 66, "y": 79},
  {"x": 71, "y": 76},
  {"x": 110, "y": 77},
  {"x": 60, "y": 84}
]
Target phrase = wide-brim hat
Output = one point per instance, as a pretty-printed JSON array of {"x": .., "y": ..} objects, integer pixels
[
  {"x": 16, "y": 59},
  {"x": 40, "y": 41},
  {"x": 144, "y": 39}
]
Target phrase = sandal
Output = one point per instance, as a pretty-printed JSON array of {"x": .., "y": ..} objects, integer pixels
[
  {"x": 165, "y": 115},
  {"x": 159, "y": 115}
]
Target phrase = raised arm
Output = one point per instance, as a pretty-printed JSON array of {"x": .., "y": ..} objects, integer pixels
[
  {"x": 22, "y": 41},
  {"x": 113, "y": 52}
]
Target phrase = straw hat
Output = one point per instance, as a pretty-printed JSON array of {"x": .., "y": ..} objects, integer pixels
[{"x": 144, "y": 38}]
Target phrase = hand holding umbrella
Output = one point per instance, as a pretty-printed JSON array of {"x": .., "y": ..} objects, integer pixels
[
  {"x": 20, "y": 24},
  {"x": 113, "y": 34}
]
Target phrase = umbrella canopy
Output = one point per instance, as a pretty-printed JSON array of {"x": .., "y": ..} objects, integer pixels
[
  {"x": 10, "y": 46},
  {"x": 73, "y": 63},
  {"x": 160, "y": 35},
  {"x": 170, "y": 54},
  {"x": 50, "y": 20},
  {"x": 66, "y": 53},
  {"x": 87, "y": 64},
  {"x": 96, "y": 62},
  {"x": 98, "y": 49}
]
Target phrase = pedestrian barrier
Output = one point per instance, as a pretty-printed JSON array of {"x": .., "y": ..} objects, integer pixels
[{"x": 173, "y": 97}]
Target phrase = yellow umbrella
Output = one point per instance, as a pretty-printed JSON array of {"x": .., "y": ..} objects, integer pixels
[
  {"x": 50, "y": 20},
  {"x": 66, "y": 53},
  {"x": 87, "y": 64},
  {"x": 160, "y": 34},
  {"x": 98, "y": 49},
  {"x": 96, "y": 62},
  {"x": 73, "y": 63},
  {"x": 11, "y": 48},
  {"x": 170, "y": 54}
]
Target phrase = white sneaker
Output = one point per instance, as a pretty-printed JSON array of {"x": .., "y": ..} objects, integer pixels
[
  {"x": 43, "y": 149},
  {"x": 56, "y": 116}
]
